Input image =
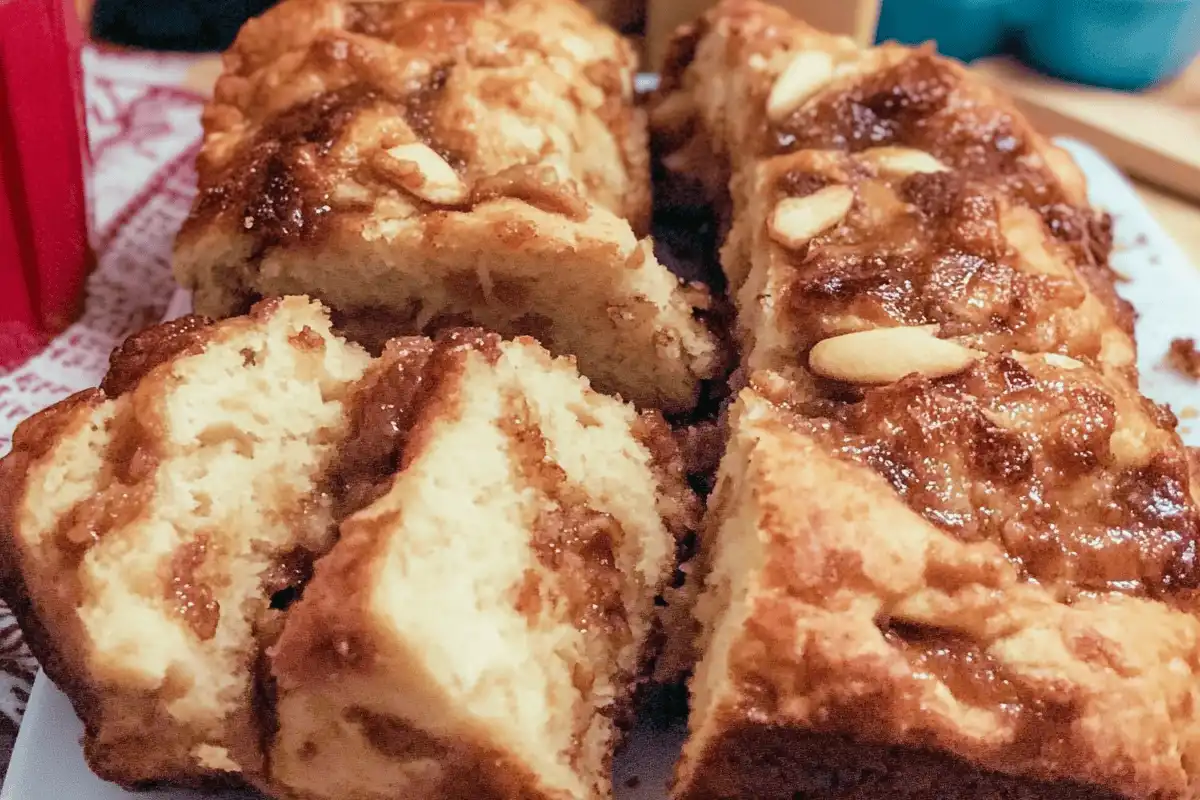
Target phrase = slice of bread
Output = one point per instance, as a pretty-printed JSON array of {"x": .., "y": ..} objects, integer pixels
[
  {"x": 853, "y": 648},
  {"x": 145, "y": 525},
  {"x": 478, "y": 629},
  {"x": 423, "y": 166}
]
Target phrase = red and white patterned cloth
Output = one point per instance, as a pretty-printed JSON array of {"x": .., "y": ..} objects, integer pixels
[{"x": 145, "y": 132}]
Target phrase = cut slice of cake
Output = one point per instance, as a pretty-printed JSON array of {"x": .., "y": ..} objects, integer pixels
[
  {"x": 479, "y": 628},
  {"x": 144, "y": 527},
  {"x": 907, "y": 600},
  {"x": 422, "y": 166}
]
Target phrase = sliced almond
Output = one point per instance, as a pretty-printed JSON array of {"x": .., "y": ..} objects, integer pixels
[
  {"x": 900, "y": 162},
  {"x": 419, "y": 170},
  {"x": 807, "y": 72},
  {"x": 1036, "y": 254},
  {"x": 885, "y": 355},
  {"x": 1061, "y": 361},
  {"x": 1129, "y": 447},
  {"x": 350, "y": 194},
  {"x": 795, "y": 220}
]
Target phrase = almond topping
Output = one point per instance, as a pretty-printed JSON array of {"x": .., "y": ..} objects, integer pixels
[
  {"x": 795, "y": 220},
  {"x": 885, "y": 355},
  {"x": 900, "y": 162},
  {"x": 417, "y": 169},
  {"x": 1129, "y": 446},
  {"x": 808, "y": 71},
  {"x": 1061, "y": 361}
]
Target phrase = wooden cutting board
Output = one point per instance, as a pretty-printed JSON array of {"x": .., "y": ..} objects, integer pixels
[{"x": 1153, "y": 135}]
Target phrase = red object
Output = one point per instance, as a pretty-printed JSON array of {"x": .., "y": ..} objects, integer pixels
[{"x": 44, "y": 213}]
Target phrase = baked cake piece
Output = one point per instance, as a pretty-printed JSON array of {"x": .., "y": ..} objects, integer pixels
[
  {"x": 424, "y": 165},
  {"x": 145, "y": 525},
  {"x": 882, "y": 188},
  {"x": 980, "y": 586},
  {"x": 477, "y": 630},
  {"x": 952, "y": 550}
]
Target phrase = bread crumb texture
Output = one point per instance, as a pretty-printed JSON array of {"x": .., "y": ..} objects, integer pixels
[
  {"x": 422, "y": 166},
  {"x": 261, "y": 556}
]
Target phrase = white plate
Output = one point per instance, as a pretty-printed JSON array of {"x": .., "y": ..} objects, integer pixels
[{"x": 47, "y": 762}]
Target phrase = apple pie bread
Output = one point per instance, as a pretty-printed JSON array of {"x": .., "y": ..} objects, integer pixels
[
  {"x": 489, "y": 537},
  {"x": 420, "y": 165},
  {"x": 145, "y": 525},
  {"x": 952, "y": 549},
  {"x": 478, "y": 629}
]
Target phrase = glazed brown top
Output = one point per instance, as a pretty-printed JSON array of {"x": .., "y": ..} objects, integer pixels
[
  {"x": 947, "y": 249},
  {"x": 975, "y": 534},
  {"x": 941, "y": 208},
  {"x": 316, "y": 93},
  {"x": 919, "y": 103},
  {"x": 1081, "y": 481}
]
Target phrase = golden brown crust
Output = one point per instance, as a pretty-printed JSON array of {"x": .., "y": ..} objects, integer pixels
[
  {"x": 978, "y": 538},
  {"x": 773, "y": 763},
  {"x": 864, "y": 620},
  {"x": 425, "y": 165},
  {"x": 51, "y": 641},
  {"x": 360, "y": 78},
  {"x": 146, "y": 349}
]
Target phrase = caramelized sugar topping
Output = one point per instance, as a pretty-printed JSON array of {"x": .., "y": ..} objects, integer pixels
[
  {"x": 937, "y": 248},
  {"x": 189, "y": 593},
  {"x": 146, "y": 349},
  {"x": 1082, "y": 484},
  {"x": 918, "y": 103}
]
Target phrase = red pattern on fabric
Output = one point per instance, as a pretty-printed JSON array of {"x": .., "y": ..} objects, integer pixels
[{"x": 144, "y": 136}]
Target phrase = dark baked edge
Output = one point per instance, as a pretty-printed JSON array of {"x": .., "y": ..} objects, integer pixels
[{"x": 778, "y": 762}]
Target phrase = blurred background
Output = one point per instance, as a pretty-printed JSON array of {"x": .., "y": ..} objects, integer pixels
[{"x": 1119, "y": 44}]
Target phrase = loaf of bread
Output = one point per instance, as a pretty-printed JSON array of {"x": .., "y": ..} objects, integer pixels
[
  {"x": 952, "y": 549},
  {"x": 489, "y": 537},
  {"x": 423, "y": 165},
  {"x": 477, "y": 630},
  {"x": 145, "y": 525}
]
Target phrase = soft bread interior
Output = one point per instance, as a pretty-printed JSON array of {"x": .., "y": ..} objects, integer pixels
[
  {"x": 587, "y": 288},
  {"x": 729, "y": 564},
  {"x": 476, "y": 629},
  {"x": 175, "y": 501}
]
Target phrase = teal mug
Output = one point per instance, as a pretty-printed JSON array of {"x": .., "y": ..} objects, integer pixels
[{"x": 1121, "y": 44}]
